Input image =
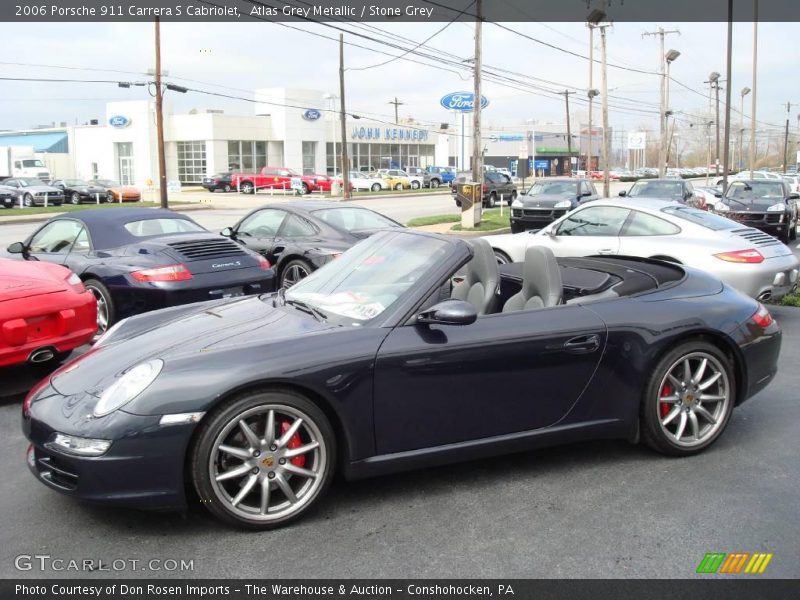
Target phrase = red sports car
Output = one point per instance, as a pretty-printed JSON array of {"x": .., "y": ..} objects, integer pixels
[
  {"x": 324, "y": 182},
  {"x": 45, "y": 312}
]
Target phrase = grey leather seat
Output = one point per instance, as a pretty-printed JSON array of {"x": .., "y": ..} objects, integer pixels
[
  {"x": 541, "y": 282},
  {"x": 481, "y": 279}
]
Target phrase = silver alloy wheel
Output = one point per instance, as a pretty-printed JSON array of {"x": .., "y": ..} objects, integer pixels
[
  {"x": 227, "y": 188},
  {"x": 27, "y": 200},
  {"x": 415, "y": 185},
  {"x": 501, "y": 258},
  {"x": 251, "y": 466},
  {"x": 76, "y": 198},
  {"x": 294, "y": 273},
  {"x": 246, "y": 188},
  {"x": 376, "y": 187},
  {"x": 399, "y": 186},
  {"x": 434, "y": 183},
  {"x": 102, "y": 309},
  {"x": 694, "y": 398}
]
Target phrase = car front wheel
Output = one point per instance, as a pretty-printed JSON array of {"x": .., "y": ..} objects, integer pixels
[
  {"x": 688, "y": 400},
  {"x": 415, "y": 185},
  {"x": 27, "y": 200},
  {"x": 263, "y": 459},
  {"x": 75, "y": 198}
]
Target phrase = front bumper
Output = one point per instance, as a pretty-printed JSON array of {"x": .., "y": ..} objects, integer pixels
[
  {"x": 774, "y": 223},
  {"x": 143, "y": 468},
  {"x": 536, "y": 217},
  {"x": 52, "y": 200}
]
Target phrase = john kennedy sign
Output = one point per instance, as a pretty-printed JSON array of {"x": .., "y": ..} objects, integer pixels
[
  {"x": 399, "y": 134},
  {"x": 462, "y": 101}
]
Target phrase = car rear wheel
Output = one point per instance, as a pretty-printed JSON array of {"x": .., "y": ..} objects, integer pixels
[
  {"x": 415, "y": 185},
  {"x": 785, "y": 236},
  {"x": 75, "y": 198},
  {"x": 502, "y": 257},
  {"x": 399, "y": 186},
  {"x": 105, "y": 304},
  {"x": 263, "y": 459},
  {"x": 516, "y": 228},
  {"x": 246, "y": 187},
  {"x": 434, "y": 184},
  {"x": 294, "y": 271},
  {"x": 492, "y": 200},
  {"x": 304, "y": 189},
  {"x": 27, "y": 200},
  {"x": 688, "y": 400},
  {"x": 227, "y": 188},
  {"x": 376, "y": 187}
]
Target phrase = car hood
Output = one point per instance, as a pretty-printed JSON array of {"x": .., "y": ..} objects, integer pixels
[
  {"x": 41, "y": 188},
  {"x": 543, "y": 200},
  {"x": 183, "y": 332},
  {"x": 21, "y": 279},
  {"x": 758, "y": 204}
]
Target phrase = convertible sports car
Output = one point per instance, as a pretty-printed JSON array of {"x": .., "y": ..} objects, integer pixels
[
  {"x": 45, "y": 312},
  {"x": 745, "y": 258},
  {"x": 300, "y": 237},
  {"x": 410, "y": 350},
  {"x": 139, "y": 259},
  {"x": 77, "y": 191}
]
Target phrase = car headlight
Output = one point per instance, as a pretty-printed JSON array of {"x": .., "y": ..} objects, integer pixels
[
  {"x": 127, "y": 387},
  {"x": 517, "y": 203},
  {"x": 721, "y": 207},
  {"x": 779, "y": 207},
  {"x": 563, "y": 204},
  {"x": 71, "y": 444}
]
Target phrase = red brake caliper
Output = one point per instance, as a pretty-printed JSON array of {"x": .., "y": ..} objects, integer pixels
[
  {"x": 664, "y": 406},
  {"x": 294, "y": 442}
]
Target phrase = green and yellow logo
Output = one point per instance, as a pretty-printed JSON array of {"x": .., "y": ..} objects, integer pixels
[{"x": 734, "y": 563}]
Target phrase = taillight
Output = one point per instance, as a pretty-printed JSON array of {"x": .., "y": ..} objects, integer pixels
[
  {"x": 485, "y": 188},
  {"x": 75, "y": 283},
  {"x": 168, "y": 273},
  {"x": 762, "y": 318},
  {"x": 264, "y": 264},
  {"x": 751, "y": 256}
]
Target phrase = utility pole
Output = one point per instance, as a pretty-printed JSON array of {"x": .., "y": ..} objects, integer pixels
[
  {"x": 786, "y": 137},
  {"x": 755, "y": 74},
  {"x": 740, "y": 165},
  {"x": 396, "y": 104},
  {"x": 477, "y": 147},
  {"x": 662, "y": 121},
  {"x": 162, "y": 163},
  {"x": 727, "y": 155},
  {"x": 343, "y": 123},
  {"x": 566, "y": 94},
  {"x": 588, "y": 165},
  {"x": 606, "y": 137}
]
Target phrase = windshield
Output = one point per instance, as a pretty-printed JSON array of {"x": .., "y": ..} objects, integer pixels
[
  {"x": 755, "y": 190},
  {"x": 353, "y": 219},
  {"x": 32, "y": 163},
  {"x": 150, "y": 227},
  {"x": 75, "y": 182},
  {"x": 28, "y": 181},
  {"x": 107, "y": 182},
  {"x": 657, "y": 189},
  {"x": 706, "y": 219},
  {"x": 554, "y": 188},
  {"x": 370, "y": 277}
]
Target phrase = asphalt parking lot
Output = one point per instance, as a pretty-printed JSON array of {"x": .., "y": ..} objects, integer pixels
[{"x": 600, "y": 509}]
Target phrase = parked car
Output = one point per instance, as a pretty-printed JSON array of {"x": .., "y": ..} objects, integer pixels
[
  {"x": 276, "y": 178},
  {"x": 77, "y": 191},
  {"x": 600, "y": 176},
  {"x": 218, "y": 182},
  {"x": 138, "y": 259},
  {"x": 34, "y": 192},
  {"x": 745, "y": 176},
  {"x": 705, "y": 197},
  {"x": 677, "y": 190},
  {"x": 753, "y": 262},
  {"x": 378, "y": 363},
  {"x": 364, "y": 182},
  {"x": 118, "y": 192},
  {"x": 397, "y": 179},
  {"x": 419, "y": 175},
  {"x": 495, "y": 186},
  {"x": 547, "y": 200},
  {"x": 8, "y": 197},
  {"x": 441, "y": 176},
  {"x": 793, "y": 181},
  {"x": 324, "y": 183},
  {"x": 45, "y": 313},
  {"x": 299, "y": 238},
  {"x": 768, "y": 205}
]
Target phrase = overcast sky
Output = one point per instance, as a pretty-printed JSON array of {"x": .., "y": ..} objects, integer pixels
[{"x": 246, "y": 56}]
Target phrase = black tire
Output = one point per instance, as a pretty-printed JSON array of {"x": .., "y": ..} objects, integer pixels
[
  {"x": 104, "y": 299},
  {"x": 204, "y": 457},
  {"x": 492, "y": 201},
  {"x": 27, "y": 200},
  {"x": 652, "y": 432},
  {"x": 295, "y": 265},
  {"x": 502, "y": 257},
  {"x": 399, "y": 186},
  {"x": 435, "y": 183},
  {"x": 304, "y": 189},
  {"x": 75, "y": 198},
  {"x": 110, "y": 197},
  {"x": 376, "y": 187},
  {"x": 415, "y": 185},
  {"x": 517, "y": 228},
  {"x": 227, "y": 188}
]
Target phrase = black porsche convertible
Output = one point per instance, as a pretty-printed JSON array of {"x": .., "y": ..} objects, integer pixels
[
  {"x": 138, "y": 259},
  {"x": 409, "y": 350}
]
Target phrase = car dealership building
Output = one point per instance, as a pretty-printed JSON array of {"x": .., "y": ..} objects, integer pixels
[{"x": 290, "y": 127}]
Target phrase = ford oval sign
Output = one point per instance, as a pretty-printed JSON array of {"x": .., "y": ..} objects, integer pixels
[
  {"x": 462, "y": 101},
  {"x": 119, "y": 121},
  {"x": 312, "y": 114}
]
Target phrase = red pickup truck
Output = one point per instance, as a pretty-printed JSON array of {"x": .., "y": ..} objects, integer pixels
[{"x": 278, "y": 178}]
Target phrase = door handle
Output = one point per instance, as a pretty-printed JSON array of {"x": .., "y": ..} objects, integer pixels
[{"x": 583, "y": 344}]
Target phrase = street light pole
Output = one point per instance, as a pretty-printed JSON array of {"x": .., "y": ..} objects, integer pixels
[
  {"x": 726, "y": 158},
  {"x": 755, "y": 79},
  {"x": 162, "y": 162},
  {"x": 477, "y": 146},
  {"x": 588, "y": 165},
  {"x": 343, "y": 123},
  {"x": 740, "y": 164},
  {"x": 606, "y": 137}
]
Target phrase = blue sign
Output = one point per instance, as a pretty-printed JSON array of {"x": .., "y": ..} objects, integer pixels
[
  {"x": 509, "y": 137},
  {"x": 119, "y": 121},
  {"x": 462, "y": 101},
  {"x": 541, "y": 164},
  {"x": 312, "y": 114}
]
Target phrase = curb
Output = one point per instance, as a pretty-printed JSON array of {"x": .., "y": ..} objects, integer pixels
[
  {"x": 471, "y": 234},
  {"x": 26, "y": 219}
]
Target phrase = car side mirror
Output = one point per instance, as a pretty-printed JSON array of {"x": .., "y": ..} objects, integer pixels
[
  {"x": 718, "y": 194},
  {"x": 17, "y": 248},
  {"x": 794, "y": 196},
  {"x": 623, "y": 193},
  {"x": 585, "y": 194},
  {"x": 449, "y": 312},
  {"x": 228, "y": 232}
]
